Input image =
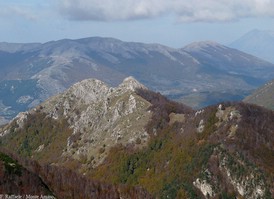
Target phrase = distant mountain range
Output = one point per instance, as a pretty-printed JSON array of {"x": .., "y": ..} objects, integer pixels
[
  {"x": 200, "y": 74},
  {"x": 258, "y": 43},
  {"x": 96, "y": 141},
  {"x": 263, "y": 96}
]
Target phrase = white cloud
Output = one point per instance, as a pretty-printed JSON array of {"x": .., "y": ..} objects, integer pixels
[
  {"x": 31, "y": 10},
  {"x": 17, "y": 11},
  {"x": 184, "y": 10},
  {"x": 110, "y": 9}
]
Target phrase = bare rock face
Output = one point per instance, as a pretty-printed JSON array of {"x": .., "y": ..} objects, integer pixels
[
  {"x": 99, "y": 116},
  {"x": 132, "y": 84}
]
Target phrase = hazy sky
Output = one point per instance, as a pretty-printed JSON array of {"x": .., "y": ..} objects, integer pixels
[{"x": 170, "y": 22}]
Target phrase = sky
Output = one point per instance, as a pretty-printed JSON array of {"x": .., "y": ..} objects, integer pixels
[{"x": 174, "y": 23}]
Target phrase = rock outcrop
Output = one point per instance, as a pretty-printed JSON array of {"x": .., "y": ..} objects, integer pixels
[{"x": 99, "y": 117}]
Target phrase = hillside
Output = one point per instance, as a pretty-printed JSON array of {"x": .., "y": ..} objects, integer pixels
[
  {"x": 263, "y": 96},
  {"x": 130, "y": 136},
  {"x": 215, "y": 154},
  {"x": 200, "y": 74},
  {"x": 17, "y": 180},
  {"x": 226, "y": 74},
  {"x": 33, "y": 180}
]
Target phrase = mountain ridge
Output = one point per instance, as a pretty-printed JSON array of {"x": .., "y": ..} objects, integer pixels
[
  {"x": 192, "y": 77},
  {"x": 132, "y": 136}
]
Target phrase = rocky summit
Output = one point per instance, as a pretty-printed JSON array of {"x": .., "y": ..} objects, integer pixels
[{"x": 129, "y": 142}]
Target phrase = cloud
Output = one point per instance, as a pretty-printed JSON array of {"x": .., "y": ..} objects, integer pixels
[
  {"x": 31, "y": 10},
  {"x": 17, "y": 11},
  {"x": 183, "y": 10},
  {"x": 25, "y": 12},
  {"x": 108, "y": 10}
]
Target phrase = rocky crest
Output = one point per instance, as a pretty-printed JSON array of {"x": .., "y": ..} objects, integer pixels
[
  {"x": 132, "y": 136},
  {"x": 99, "y": 117}
]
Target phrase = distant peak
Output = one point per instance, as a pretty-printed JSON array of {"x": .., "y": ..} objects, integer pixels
[
  {"x": 99, "y": 39},
  {"x": 130, "y": 83},
  {"x": 201, "y": 44},
  {"x": 261, "y": 32}
]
